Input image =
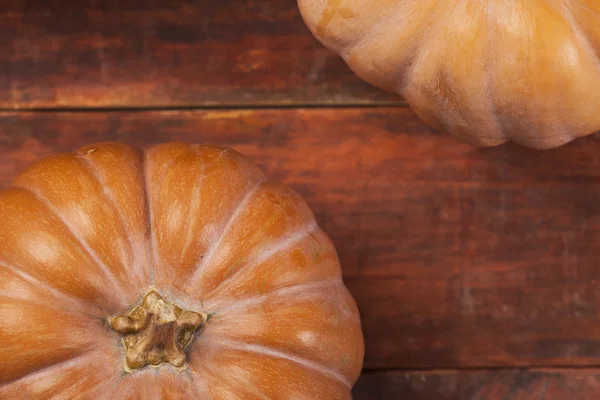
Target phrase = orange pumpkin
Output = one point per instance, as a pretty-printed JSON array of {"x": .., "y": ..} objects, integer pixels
[
  {"x": 182, "y": 258},
  {"x": 486, "y": 71}
]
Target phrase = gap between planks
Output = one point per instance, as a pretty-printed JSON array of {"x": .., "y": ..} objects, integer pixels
[
  {"x": 208, "y": 107},
  {"x": 500, "y": 368}
]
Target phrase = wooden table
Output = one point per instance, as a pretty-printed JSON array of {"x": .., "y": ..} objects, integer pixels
[{"x": 475, "y": 270}]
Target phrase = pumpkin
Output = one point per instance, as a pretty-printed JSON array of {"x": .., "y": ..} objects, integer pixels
[
  {"x": 486, "y": 71},
  {"x": 176, "y": 273}
]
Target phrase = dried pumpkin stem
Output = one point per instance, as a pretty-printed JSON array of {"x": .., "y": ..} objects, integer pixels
[{"x": 156, "y": 332}]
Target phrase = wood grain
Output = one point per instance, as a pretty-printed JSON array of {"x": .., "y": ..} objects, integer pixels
[
  {"x": 458, "y": 257},
  {"x": 536, "y": 384},
  {"x": 129, "y": 53}
]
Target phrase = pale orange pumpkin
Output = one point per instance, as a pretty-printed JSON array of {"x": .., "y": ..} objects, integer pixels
[
  {"x": 486, "y": 71},
  {"x": 182, "y": 258}
]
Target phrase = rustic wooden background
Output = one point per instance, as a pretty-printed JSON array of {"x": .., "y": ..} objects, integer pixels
[{"x": 475, "y": 270}]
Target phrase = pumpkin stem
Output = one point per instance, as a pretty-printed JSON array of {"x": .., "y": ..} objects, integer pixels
[{"x": 156, "y": 332}]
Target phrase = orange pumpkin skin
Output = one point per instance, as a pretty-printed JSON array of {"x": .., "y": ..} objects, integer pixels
[
  {"x": 486, "y": 71},
  {"x": 85, "y": 235}
]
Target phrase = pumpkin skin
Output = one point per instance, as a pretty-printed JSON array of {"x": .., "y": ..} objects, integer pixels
[
  {"x": 85, "y": 235},
  {"x": 486, "y": 71}
]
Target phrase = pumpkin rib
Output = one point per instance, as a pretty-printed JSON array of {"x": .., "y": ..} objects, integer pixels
[
  {"x": 261, "y": 376},
  {"x": 150, "y": 383},
  {"x": 199, "y": 381},
  {"x": 66, "y": 297},
  {"x": 426, "y": 38},
  {"x": 488, "y": 84},
  {"x": 196, "y": 275},
  {"x": 87, "y": 376},
  {"x": 279, "y": 246},
  {"x": 364, "y": 35},
  {"x": 53, "y": 344},
  {"x": 118, "y": 169},
  {"x": 256, "y": 393},
  {"x": 194, "y": 207},
  {"x": 566, "y": 135},
  {"x": 587, "y": 45},
  {"x": 491, "y": 76},
  {"x": 227, "y": 175},
  {"x": 202, "y": 387},
  {"x": 319, "y": 325},
  {"x": 91, "y": 168},
  {"x": 404, "y": 69},
  {"x": 151, "y": 242},
  {"x": 284, "y": 291},
  {"x": 196, "y": 202},
  {"x": 48, "y": 368},
  {"x": 84, "y": 245},
  {"x": 268, "y": 351},
  {"x": 402, "y": 86},
  {"x": 570, "y": 18},
  {"x": 495, "y": 132}
]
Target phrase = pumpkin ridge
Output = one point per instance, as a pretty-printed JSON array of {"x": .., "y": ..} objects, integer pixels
[
  {"x": 166, "y": 168},
  {"x": 84, "y": 245},
  {"x": 268, "y": 351},
  {"x": 584, "y": 38},
  {"x": 204, "y": 261},
  {"x": 59, "y": 294},
  {"x": 265, "y": 255},
  {"x": 423, "y": 43},
  {"x": 194, "y": 207},
  {"x": 241, "y": 305},
  {"x": 404, "y": 69},
  {"x": 587, "y": 45},
  {"x": 425, "y": 38},
  {"x": 151, "y": 242},
  {"x": 196, "y": 199},
  {"x": 61, "y": 364},
  {"x": 199, "y": 382},
  {"x": 488, "y": 83},
  {"x": 91, "y": 168}
]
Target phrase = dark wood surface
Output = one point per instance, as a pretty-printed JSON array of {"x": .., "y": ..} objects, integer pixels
[
  {"x": 475, "y": 270},
  {"x": 178, "y": 53},
  {"x": 517, "y": 384}
]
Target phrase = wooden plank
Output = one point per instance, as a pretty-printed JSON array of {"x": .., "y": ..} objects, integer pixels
[
  {"x": 131, "y": 53},
  {"x": 458, "y": 257},
  {"x": 536, "y": 384}
]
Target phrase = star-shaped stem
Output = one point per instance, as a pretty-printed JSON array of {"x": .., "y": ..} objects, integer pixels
[{"x": 156, "y": 332}]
